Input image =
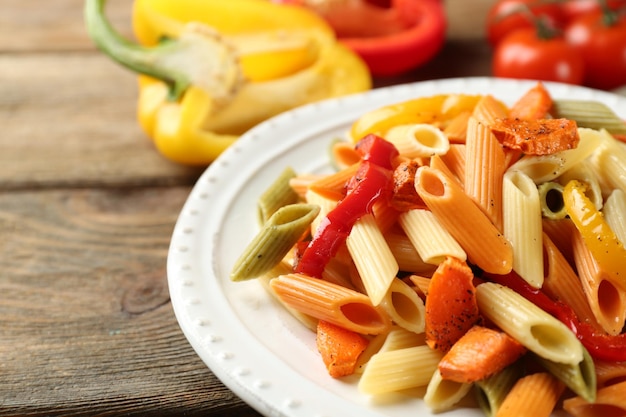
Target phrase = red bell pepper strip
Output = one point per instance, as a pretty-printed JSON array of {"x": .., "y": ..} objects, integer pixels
[
  {"x": 371, "y": 182},
  {"x": 600, "y": 345}
]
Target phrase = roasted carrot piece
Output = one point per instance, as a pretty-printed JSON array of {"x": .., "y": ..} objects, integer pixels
[
  {"x": 451, "y": 308},
  {"x": 479, "y": 354},
  {"x": 340, "y": 348},
  {"x": 536, "y": 137},
  {"x": 404, "y": 196},
  {"x": 534, "y": 104}
]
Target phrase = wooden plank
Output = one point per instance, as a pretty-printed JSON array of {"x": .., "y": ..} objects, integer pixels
[
  {"x": 86, "y": 323},
  {"x": 69, "y": 120}
]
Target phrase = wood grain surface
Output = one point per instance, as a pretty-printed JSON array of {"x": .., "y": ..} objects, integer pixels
[{"x": 87, "y": 208}]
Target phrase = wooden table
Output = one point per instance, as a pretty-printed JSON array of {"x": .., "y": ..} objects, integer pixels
[{"x": 87, "y": 208}]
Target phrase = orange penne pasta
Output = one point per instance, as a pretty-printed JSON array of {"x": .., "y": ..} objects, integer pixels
[
  {"x": 300, "y": 183},
  {"x": 534, "y": 104},
  {"x": 456, "y": 130},
  {"x": 344, "y": 155},
  {"x": 610, "y": 401},
  {"x": 385, "y": 215},
  {"x": 488, "y": 110},
  {"x": 485, "y": 246},
  {"x": 455, "y": 161},
  {"x": 609, "y": 373},
  {"x": 330, "y": 302},
  {"x": 561, "y": 282},
  {"x": 607, "y": 302},
  {"x": 534, "y": 395},
  {"x": 333, "y": 186},
  {"x": 560, "y": 233},
  {"x": 485, "y": 164}
]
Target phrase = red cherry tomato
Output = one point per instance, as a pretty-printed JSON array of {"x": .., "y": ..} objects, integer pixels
[
  {"x": 573, "y": 9},
  {"x": 523, "y": 54},
  {"x": 505, "y": 16},
  {"x": 603, "y": 48}
]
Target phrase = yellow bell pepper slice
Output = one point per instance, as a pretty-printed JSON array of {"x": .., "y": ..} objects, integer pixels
[
  {"x": 602, "y": 242},
  {"x": 436, "y": 109}
]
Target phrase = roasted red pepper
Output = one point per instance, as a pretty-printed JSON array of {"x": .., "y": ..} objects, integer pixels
[
  {"x": 372, "y": 181},
  {"x": 600, "y": 345},
  {"x": 392, "y": 36}
]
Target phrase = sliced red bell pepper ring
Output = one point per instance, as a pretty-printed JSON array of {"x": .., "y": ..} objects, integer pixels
[
  {"x": 600, "y": 345},
  {"x": 399, "y": 52},
  {"x": 372, "y": 181}
]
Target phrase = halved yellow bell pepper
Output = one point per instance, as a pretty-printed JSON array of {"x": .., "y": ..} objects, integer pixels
[{"x": 213, "y": 69}]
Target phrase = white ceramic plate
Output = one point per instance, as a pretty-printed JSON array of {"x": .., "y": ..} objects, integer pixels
[{"x": 250, "y": 343}]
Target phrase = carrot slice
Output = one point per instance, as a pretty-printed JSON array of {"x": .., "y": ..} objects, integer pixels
[
  {"x": 479, "y": 354},
  {"x": 534, "y": 104},
  {"x": 537, "y": 137},
  {"x": 340, "y": 348},
  {"x": 451, "y": 308}
]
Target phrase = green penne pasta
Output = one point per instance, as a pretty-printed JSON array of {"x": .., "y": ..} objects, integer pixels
[
  {"x": 490, "y": 392},
  {"x": 277, "y": 195},
  {"x": 275, "y": 239},
  {"x": 551, "y": 200},
  {"x": 591, "y": 114},
  {"x": 580, "y": 378}
]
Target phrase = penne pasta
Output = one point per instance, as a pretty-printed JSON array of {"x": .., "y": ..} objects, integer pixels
[
  {"x": 330, "y": 302},
  {"x": 485, "y": 165},
  {"x": 407, "y": 257},
  {"x": 404, "y": 307},
  {"x": 522, "y": 225},
  {"x": 488, "y": 110},
  {"x": 275, "y": 239},
  {"x": 324, "y": 203},
  {"x": 607, "y": 161},
  {"x": 418, "y": 140},
  {"x": 277, "y": 195},
  {"x": 419, "y": 224},
  {"x": 590, "y": 114},
  {"x": 580, "y": 378},
  {"x": 542, "y": 168},
  {"x": 609, "y": 373},
  {"x": 333, "y": 186},
  {"x": 343, "y": 154},
  {"x": 480, "y": 239},
  {"x": 551, "y": 200},
  {"x": 607, "y": 302},
  {"x": 454, "y": 160},
  {"x": 613, "y": 210},
  {"x": 583, "y": 172},
  {"x": 528, "y": 324},
  {"x": 534, "y": 395},
  {"x": 610, "y": 401},
  {"x": 491, "y": 392},
  {"x": 401, "y": 369},
  {"x": 372, "y": 257},
  {"x": 442, "y": 394}
]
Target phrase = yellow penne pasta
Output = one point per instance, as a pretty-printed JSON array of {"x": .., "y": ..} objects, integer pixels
[
  {"x": 480, "y": 239},
  {"x": 400, "y": 369},
  {"x": 442, "y": 394},
  {"x": 323, "y": 202},
  {"x": 534, "y": 395},
  {"x": 372, "y": 257},
  {"x": 418, "y": 140},
  {"x": 404, "y": 307},
  {"x": 430, "y": 239},
  {"x": 330, "y": 302},
  {"x": 401, "y": 338},
  {"x": 613, "y": 210},
  {"x": 542, "y": 168},
  {"x": 610, "y": 401},
  {"x": 528, "y": 324},
  {"x": 607, "y": 162},
  {"x": 407, "y": 257},
  {"x": 607, "y": 302},
  {"x": 485, "y": 165},
  {"x": 522, "y": 225}
]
